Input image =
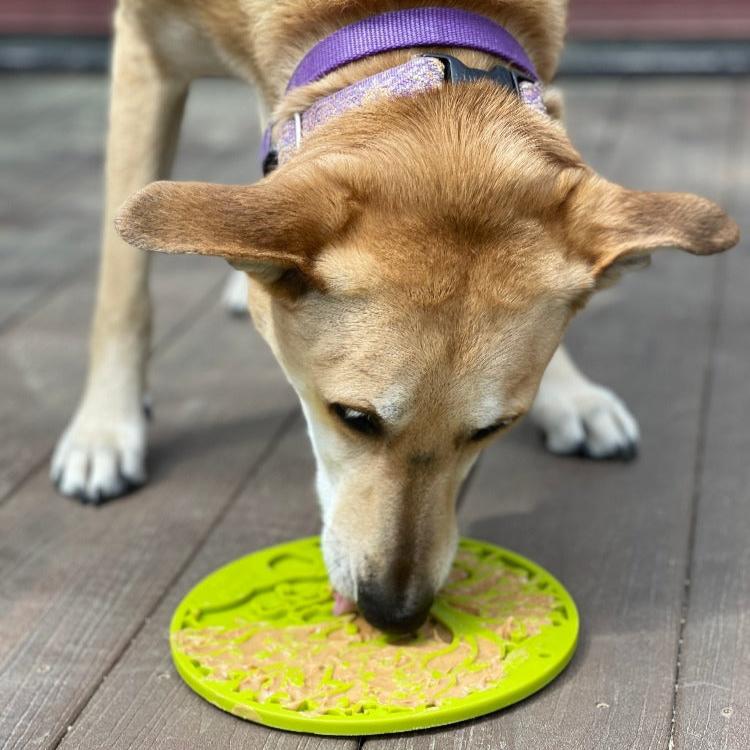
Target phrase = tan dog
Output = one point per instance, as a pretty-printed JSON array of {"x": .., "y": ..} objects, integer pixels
[{"x": 414, "y": 319}]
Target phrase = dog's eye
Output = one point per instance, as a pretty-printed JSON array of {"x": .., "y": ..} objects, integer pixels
[
  {"x": 360, "y": 421},
  {"x": 484, "y": 432}
]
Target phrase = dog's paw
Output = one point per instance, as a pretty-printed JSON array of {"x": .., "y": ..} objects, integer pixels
[
  {"x": 101, "y": 455},
  {"x": 234, "y": 296},
  {"x": 585, "y": 419}
]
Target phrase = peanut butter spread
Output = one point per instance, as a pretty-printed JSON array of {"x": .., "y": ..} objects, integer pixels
[{"x": 344, "y": 665}]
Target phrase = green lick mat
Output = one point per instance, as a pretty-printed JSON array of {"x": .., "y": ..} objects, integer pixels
[{"x": 258, "y": 638}]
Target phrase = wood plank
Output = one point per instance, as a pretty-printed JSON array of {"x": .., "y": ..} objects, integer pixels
[
  {"x": 46, "y": 147},
  {"x": 78, "y": 582},
  {"x": 48, "y": 281},
  {"x": 54, "y": 200},
  {"x": 68, "y": 553},
  {"x": 143, "y": 703},
  {"x": 44, "y": 142},
  {"x": 106, "y": 571},
  {"x": 615, "y": 534},
  {"x": 590, "y": 108},
  {"x": 49, "y": 201},
  {"x": 30, "y": 98},
  {"x": 43, "y": 360},
  {"x": 129, "y": 709},
  {"x": 713, "y": 698}
]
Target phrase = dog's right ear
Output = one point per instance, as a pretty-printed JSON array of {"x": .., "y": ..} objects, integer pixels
[
  {"x": 268, "y": 229},
  {"x": 614, "y": 228}
]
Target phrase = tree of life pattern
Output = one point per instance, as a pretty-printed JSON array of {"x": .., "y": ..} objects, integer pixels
[{"x": 317, "y": 664}]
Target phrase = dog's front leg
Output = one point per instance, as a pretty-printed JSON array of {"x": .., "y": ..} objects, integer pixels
[
  {"x": 580, "y": 417},
  {"x": 234, "y": 296},
  {"x": 102, "y": 452}
]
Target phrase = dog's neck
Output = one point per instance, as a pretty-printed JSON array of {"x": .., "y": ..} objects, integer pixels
[{"x": 289, "y": 30}]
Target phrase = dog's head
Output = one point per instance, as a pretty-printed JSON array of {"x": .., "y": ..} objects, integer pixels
[{"x": 414, "y": 268}]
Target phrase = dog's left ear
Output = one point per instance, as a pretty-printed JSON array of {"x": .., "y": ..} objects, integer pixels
[
  {"x": 267, "y": 229},
  {"x": 615, "y": 228}
]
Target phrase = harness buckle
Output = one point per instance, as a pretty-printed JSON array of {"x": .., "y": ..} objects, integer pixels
[{"x": 457, "y": 72}]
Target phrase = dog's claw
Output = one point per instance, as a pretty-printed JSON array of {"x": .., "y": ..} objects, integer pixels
[
  {"x": 148, "y": 409},
  {"x": 627, "y": 452},
  {"x": 95, "y": 499},
  {"x": 99, "y": 498}
]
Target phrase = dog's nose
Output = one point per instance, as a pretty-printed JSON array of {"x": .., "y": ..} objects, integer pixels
[{"x": 394, "y": 612}]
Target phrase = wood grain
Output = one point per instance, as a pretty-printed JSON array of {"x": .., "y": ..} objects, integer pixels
[
  {"x": 143, "y": 703},
  {"x": 50, "y": 211},
  {"x": 713, "y": 706},
  {"x": 616, "y": 535},
  {"x": 289, "y": 476},
  {"x": 49, "y": 260},
  {"x": 77, "y": 582},
  {"x": 85, "y": 595}
]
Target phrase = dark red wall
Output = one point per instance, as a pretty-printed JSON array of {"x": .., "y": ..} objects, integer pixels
[
  {"x": 660, "y": 19},
  {"x": 55, "y": 16},
  {"x": 611, "y": 19}
]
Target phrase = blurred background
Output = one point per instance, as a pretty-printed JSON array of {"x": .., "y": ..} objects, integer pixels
[
  {"x": 606, "y": 36},
  {"x": 615, "y": 19}
]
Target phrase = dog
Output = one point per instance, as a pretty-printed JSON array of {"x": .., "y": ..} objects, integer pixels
[{"x": 413, "y": 264}]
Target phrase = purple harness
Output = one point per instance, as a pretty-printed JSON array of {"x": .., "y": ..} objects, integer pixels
[{"x": 403, "y": 29}]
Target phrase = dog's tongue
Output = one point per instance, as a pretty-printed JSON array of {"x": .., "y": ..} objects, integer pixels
[{"x": 342, "y": 605}]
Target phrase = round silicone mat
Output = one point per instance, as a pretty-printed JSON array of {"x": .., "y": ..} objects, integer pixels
[{"x": 506, "y": 626}]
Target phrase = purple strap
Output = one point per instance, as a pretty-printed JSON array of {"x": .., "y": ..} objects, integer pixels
[
  {"x": 420, "y": 74},
  {"x": 403, "y": 29},
  {"x": 417, "y": 75}
]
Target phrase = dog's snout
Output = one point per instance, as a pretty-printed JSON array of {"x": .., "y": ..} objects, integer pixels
[{"x": 395, "y": 612}]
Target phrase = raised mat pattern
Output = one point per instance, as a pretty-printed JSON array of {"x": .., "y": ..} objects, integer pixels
[{"x": 258, "y": 638}]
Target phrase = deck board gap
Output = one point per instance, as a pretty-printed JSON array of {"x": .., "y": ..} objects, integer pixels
[
  {"x": 719, "y": 288},
  {"x": 181, "y": 326},
  {"x": 719, "y": 295},
  {"x": 283, "y": 428}
]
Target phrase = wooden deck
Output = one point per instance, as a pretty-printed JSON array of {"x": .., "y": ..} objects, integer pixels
[{"x": 656, "y": 552}]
